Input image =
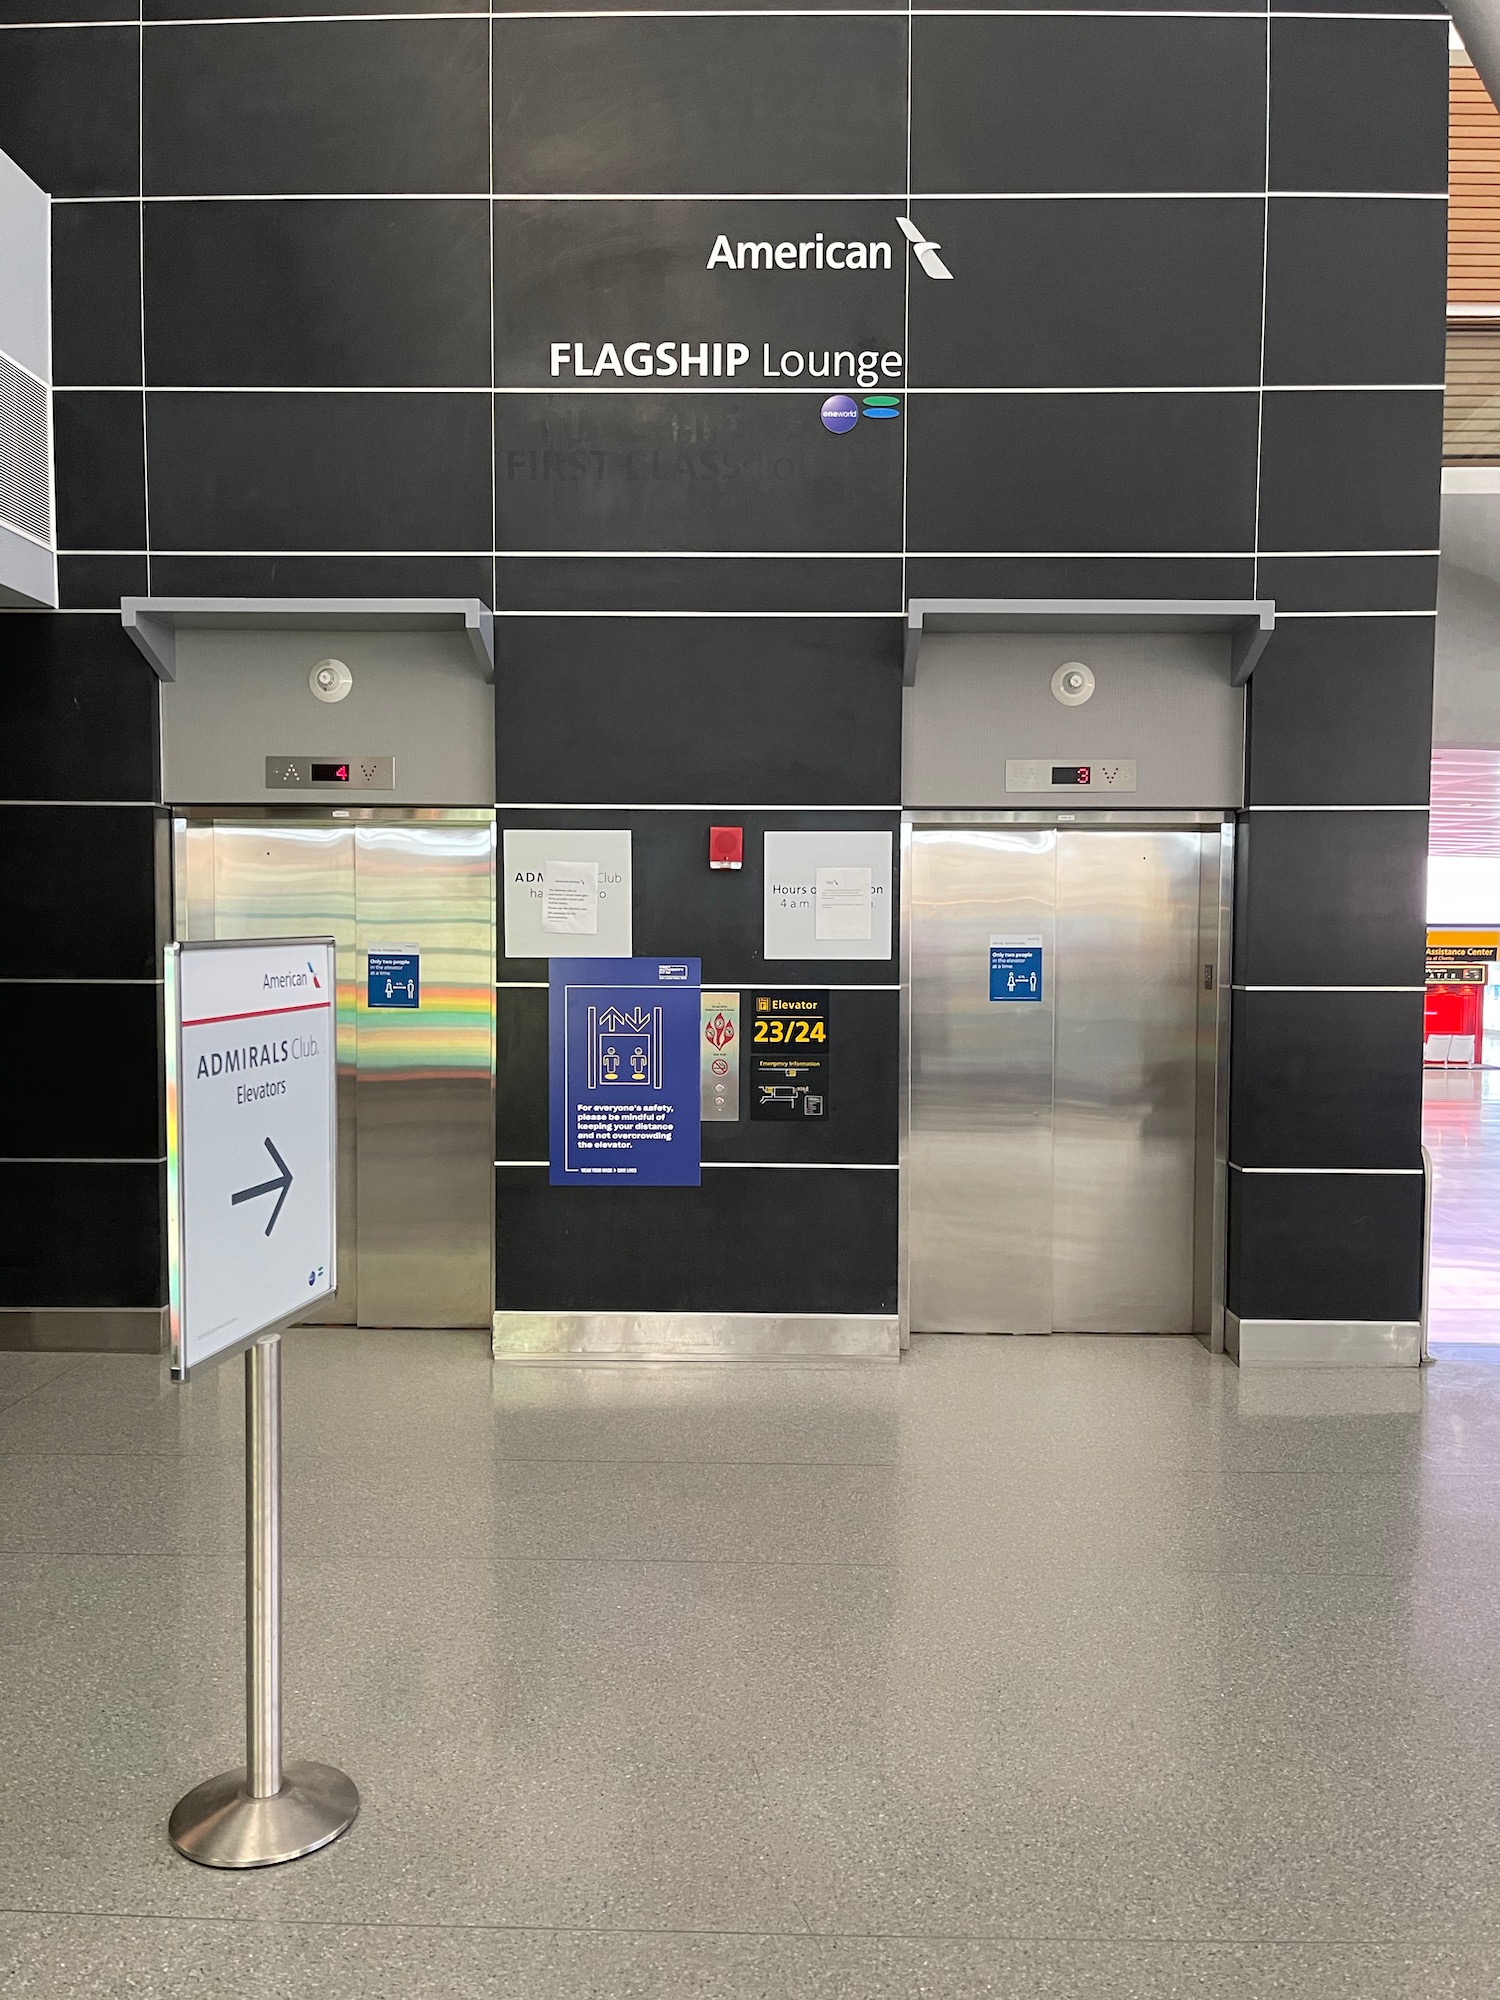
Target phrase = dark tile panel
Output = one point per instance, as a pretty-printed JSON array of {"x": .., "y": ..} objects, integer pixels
[
  {"x": 244, "y": 472},
  {"x": 69, "y": 107},
  {"x": 106, "y": 1106},
  {"x": 521, "y": 1127},
  {"x": 1071, "y": 473},
  {"x": 302, "y": 294},
  {"x": 61, "y": 10},
  {"x": 1087, "y": 104},
  {"x": 1326, "y": 1080},
  {"x": 96, "y": 292},
  {"x": 1350, "y": 583},
  {"x": 1340, "y": 713},
  {"x": 317, "y": 107},
  {"x": 77, "y": 710},
  {"x": 275, "y": 10},
  {"x": 97, "y": 583},
  {"x": 1354, "y": 470},
  {"x": 1080, "y": 576},
  {"x": 637, "y": 273},
  {"x": 81, "y": 1235},
  {"x": 718, "y": 472},
  {"x": 1359, "y": 105},
  {"x": 99, "y": 467},
  {"x": 1330, "y": 898},
  {"x": 1089, "y": 293},
  {"x": 1325, "y": 1246},
  {"x": 861, "y": 1125},
  {"x": 709, "y": 583},
  {"x": 682, "y": 906},
  {"x": 1355, "y": 291},
  {"x": 724, "y": 105},
  {"x": 750, "y": 7},
  {"x": 322, "y": 576},
  {"x": 755, "y": 1240},
  {"x": 78, "y": 892},
  {"x": 1071, "y": 6},
  {"x": 779, "y": 711},
  {"x": 1433, "y": 7}
]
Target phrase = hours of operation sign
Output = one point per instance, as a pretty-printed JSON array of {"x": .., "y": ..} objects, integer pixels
[{"x": 251, "y": 1118}]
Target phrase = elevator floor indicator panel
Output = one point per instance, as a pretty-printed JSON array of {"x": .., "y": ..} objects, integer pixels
[
  {"x": 1050, "y": 774},
  {"x": 355, "y": 774}
]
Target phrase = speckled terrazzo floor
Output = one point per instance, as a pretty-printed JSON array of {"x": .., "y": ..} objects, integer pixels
[{"x": 1084, "y": 1669}]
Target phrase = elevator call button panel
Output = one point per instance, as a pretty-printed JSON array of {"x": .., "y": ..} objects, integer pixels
[
  {"x": 1047, "y": 774},
  {"x": 355, "y": 774}
]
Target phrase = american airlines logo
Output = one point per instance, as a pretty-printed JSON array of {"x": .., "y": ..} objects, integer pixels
[{"x": 822, "y": 253}]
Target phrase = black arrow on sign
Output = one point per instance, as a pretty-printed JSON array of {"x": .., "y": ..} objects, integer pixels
[{"x": 283, "y": 1181}]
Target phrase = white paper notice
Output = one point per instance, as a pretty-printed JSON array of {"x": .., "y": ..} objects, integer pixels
[
  {"x": 570, "y": 898},
  {"x": 844, "y": 901}
]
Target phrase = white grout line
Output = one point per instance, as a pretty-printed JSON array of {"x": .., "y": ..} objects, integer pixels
[
  {"x": 1235, "y": 1167},
  {"x": 892, "y": 12},
  {"x": 1334, "y": 809},
  {"x": 822, "y": 195},
  {"x": 1237, "y": 988}
]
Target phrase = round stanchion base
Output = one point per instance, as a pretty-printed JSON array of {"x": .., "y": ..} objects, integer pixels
[{"x": 219, "y": 1825}]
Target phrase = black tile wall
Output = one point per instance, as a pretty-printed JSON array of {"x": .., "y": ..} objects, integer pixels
[
  {"x": 861, "y": 1126},
  {"x": 777, "y": 711},
  {"x": 1325, "y": 1246},
  {"x": 720, "y": 104},
  {"x": 78, "y": 891},
  {"x": 712, "y": 583},
  {"x": 303, "y": 294},
  {"x": 1328, "y": 1079},
  {"x": 723, "y": 1247},
  {"x": 77, "y": 1233},
  {"x": 1349, "y": 290},
  {"x": 1357, "y": 470},
  {"x": 69, "y": 105},
  {"x": 1340, "y": 713},
  {"x": 1359, "y": 105},
  {"x": 1085, "y": 104},
  {"x": 106, "y": 1107},
  {"x": 79, "y": 712},
  {"x": 1331, "y": 898},
  {"x": 97, "y": 583},
  {"x": 96, "y": 293},
  {"x": 316, "y": 107},
  {"x": 1403, "y": 584},
  {"x": 322, "y": 576},
  {"x": 1085, "y": 421},
  {"x": 647, "y": 471},
  {"x": 1068, "y": 473},
  {"x": 1089, "y": 293},
  {"x": 681, "y": 904},
  {"x": 392, "y": 473},
  {"x": 638, "y": 272},
  {"x": 100, "y": 457}
]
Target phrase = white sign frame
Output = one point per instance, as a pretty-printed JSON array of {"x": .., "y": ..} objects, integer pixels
[
  {"x": 204, "y": 1275},
  {"x": 525, "y": 853},
  {"x": 793, "y": 862}
]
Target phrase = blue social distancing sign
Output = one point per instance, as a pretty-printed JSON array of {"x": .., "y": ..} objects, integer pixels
[
  {"x": 1015, "y": 968},
  {"x": 393, "y": 979}
]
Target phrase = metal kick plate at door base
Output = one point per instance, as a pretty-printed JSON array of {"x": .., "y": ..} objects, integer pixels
[{"x": 341, "y": 774}]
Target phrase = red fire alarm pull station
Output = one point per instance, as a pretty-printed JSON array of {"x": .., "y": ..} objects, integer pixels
[{"x": 726, "y": 847}]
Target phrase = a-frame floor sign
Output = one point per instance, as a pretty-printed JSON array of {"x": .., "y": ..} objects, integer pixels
[{"x": 252, "y": 1108}]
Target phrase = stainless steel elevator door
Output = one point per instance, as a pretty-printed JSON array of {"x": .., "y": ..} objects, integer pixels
[
  {"x": 1055, "y": 1153},
  {"x": 1125, "y": 1081},
  {"x": 416, "y": 1085}
]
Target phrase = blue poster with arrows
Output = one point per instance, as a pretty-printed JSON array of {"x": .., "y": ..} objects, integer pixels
[{"x": 623, "y": 1072}]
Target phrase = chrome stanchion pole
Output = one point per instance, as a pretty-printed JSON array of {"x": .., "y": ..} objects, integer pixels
[{"x": 264, "y": 1812}]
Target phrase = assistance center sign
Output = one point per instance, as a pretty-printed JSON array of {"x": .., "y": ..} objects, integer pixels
[
  {"x": 623, "y": 1062},
  {"x": 251, "y": 1122}
]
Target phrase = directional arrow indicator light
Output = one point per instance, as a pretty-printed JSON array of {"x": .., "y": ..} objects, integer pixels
[{"x": 282, "y": 1182}]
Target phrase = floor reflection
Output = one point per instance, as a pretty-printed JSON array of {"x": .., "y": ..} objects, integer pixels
[{"x": 1461, "y": 1129}]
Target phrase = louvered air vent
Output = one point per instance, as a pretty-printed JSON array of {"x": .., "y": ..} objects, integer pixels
[{"x": 25, "y": 488}]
